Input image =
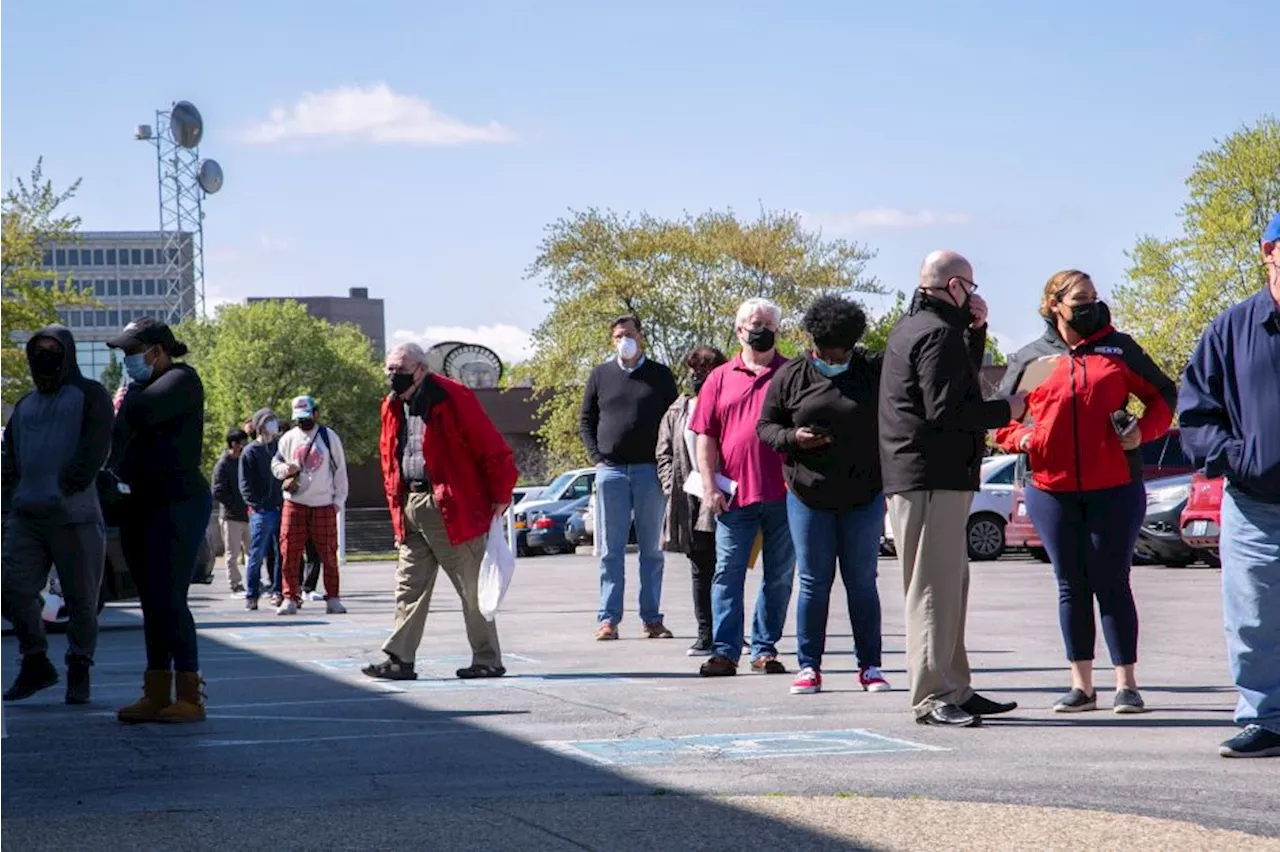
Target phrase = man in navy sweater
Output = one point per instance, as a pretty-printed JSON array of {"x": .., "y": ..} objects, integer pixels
[
  {"x": 1228, "y": 409},
  {"x": 622, "y": 409},
  {"x": 263, "y": 495}
]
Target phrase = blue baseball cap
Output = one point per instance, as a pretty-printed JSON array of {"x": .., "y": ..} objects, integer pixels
[
  {"x": 303, "y": 407},
  {"x": 1272, "y": 233}
]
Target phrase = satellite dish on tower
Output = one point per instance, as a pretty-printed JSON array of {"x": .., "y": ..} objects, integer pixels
[
  {"x": 437, "y": 354},
  {"x": 474, "y": 366},
  {"x": 185, "y": 124},
  {"x": 209, "y": 176}
]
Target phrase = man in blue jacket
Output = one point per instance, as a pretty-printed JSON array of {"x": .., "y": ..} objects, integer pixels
[
  {"x": 57, "y": 440},
  {"x": 265, "y": 499},
  {"x": 1228, "y": 409}
]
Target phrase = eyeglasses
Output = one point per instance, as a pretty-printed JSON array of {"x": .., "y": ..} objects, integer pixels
[{"x": 970, "y": 284}]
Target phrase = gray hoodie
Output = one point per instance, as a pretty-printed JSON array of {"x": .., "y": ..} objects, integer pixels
[{"x": 56, "y": 441}]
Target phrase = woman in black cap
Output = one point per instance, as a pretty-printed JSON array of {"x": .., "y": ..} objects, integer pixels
[{"x": 157, "y": 451}]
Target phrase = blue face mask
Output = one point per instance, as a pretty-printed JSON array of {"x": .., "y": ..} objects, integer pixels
[
  {"x": 828, "y": 370},
  {"x": 138, "y": 368}
]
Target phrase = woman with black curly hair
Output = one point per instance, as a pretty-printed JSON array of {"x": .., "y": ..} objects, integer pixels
[{"x": 821, "y": 415}]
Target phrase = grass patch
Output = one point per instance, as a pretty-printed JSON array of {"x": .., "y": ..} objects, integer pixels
[
  {"x": 385, "y": 556},
  {"x": 660, "y": 791}
]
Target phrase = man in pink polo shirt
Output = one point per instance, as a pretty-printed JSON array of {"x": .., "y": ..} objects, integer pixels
[{"x": 725, "y": 421}]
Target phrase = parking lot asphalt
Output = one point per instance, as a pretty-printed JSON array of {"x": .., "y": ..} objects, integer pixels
[{"x": 621, "y": 745}]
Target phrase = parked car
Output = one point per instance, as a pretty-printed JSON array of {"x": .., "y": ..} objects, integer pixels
[
  {"x": 989, "y": 513},
  {"x": 1160, "y": 536},
  {"x": 1159, "y": 459},
  {"x": 1201, "y": 520},
  {"x": 548, "y": 529},
  {"x": 580, "y": 529},
  {"x": 564, "y": 489}
]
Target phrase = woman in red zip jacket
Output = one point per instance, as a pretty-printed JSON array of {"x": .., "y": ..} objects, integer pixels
[{"x": 1086, "y": 497}]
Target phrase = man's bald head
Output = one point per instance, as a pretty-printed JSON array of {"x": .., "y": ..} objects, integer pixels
[{"x": 941, "y": 266}]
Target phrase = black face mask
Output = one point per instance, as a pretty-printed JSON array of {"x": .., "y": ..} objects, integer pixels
[
  {"x": 46, "y": 369},
  {"x": 762, "y": 339},
  {"x": 400, "y": 382},
  {"x": 1087, "y": 320},
  {"x": 306, "y": 424},
  {"x": 698, "y": 382}
]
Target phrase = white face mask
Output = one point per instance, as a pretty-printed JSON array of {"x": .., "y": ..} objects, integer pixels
[
  {"x": 628, "y": 348},
  {"x": 270, "y": 429}
]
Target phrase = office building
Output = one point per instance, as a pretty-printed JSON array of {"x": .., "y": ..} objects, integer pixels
[
  {"x": 125, "y": 271},
  {"x": 356, "y": 308}
]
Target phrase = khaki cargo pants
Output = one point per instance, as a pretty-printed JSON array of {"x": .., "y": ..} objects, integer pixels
[{"x": 425, "y": 550}]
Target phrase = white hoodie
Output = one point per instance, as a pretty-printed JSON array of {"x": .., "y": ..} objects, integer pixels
[{"x": 322, "y": 482}]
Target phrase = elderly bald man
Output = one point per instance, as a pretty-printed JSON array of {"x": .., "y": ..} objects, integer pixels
[{"x": 933, "y": 421}]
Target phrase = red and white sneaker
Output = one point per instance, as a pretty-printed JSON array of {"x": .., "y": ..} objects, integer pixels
[
  {"x": 807, "y": 682},
  {"x": 872, "y": 680}
]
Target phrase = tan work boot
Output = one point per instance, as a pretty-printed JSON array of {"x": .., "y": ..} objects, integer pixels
[
  {"x": 190, "y": 704},
  {"x": 157, "y": 694}
]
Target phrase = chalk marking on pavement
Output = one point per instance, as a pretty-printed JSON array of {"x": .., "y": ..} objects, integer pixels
[
  {"x": 140, "y": 663},
  {"x": 525, "y": 682},
  {"x": 122, "y": 685},
  {"x": 744, "y": 746},
  {"x": 276, "y": 634},
  {"x": 224, "y": 743}
]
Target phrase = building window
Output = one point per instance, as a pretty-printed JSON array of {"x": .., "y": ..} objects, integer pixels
[
  {"x": 60, "y": 257},
  {"x": 48, "y": 257},
  {"x": 111, "y": 257},
  {"x": 124, "y": 257},
  {"x": 135, "y": 255},
  {"x": 151, "y": 287},
  {"x": 111, "y": 287},
  {"x": 126, "y": 317},
  {"x": 73, "y": 257},
  {"x": 74, "y": 319},
  {"x": 113, "y": 318},
  {"x": 97, "y": 257},
  {"x": 149, "y": 257},
  {"x": 100, "y": 319}
]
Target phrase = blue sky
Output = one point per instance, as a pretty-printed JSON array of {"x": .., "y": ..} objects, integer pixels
[{"x": 1031, "y": 137}]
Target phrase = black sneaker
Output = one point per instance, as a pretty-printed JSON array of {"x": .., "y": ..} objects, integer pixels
[
  {"x": 718, "y": 666},
  {"x": 704, "y": 647},
  {"x": 1128, "y": 701},
  {"x": 977, "y": 705},
  {"x": 77, "y": 683},
  {"x": 1076, "y": 701},
  {"x": 251, "y": 604},
  {"x": 949, "y": 716},
  {"x": 479, "y": 671},
  {"x": 1253, "y": 741},
  {"x": 35, "y": 674},
  {"x": 393, "y": 668}
]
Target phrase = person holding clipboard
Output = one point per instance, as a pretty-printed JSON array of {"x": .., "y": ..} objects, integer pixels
[{"x": 1086, "y": 497}]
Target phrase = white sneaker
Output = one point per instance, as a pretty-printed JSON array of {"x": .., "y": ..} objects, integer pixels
[
  {"x": 314, "y": 596},
  {"x": 287, "y": 608},
  {"x": 333, "y": 606}
]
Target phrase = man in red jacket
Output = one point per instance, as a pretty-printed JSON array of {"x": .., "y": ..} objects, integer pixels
[{"x": 447, "y": 472}]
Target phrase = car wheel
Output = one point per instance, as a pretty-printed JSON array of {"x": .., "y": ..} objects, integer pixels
[
  {"x": 985, "y": 537},
  {"x": 1039, "y": 554}
]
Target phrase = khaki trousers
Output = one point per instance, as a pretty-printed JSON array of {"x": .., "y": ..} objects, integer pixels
[
  {"x": 235, "y": 541},
  {"x": 426, "y": 549},
  {"x": 929, "y": 533}
]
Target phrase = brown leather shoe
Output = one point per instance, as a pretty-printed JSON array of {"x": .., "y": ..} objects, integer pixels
[
  {"x": 606, "y": 632},
  {"x": 768, "y": 665},
  {"x": 657, "y": 630},
  {"x": 718, "y": 666}
]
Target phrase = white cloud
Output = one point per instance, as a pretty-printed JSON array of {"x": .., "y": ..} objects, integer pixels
[
  {"x": 371, "y": 114},
  {"x": 858, "y": 221},
  {"x": 512, "y": 344}
]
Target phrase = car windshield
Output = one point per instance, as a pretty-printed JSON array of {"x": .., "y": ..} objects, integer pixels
[
  {"x": 998, "y": 471},
  {"x": 553, "y": 491}
]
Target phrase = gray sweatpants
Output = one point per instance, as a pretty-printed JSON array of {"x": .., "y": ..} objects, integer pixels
[{"x": 78, "y": 552}]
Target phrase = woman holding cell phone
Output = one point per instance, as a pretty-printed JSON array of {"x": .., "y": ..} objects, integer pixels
[
  {"x": 820, "y": 413},
  {"x": 1086, "y": 497}
]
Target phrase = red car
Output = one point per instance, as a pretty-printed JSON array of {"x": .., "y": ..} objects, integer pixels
[
  {"x": 1159, "y": 458},
  {"x": 1202, "y": 517}
]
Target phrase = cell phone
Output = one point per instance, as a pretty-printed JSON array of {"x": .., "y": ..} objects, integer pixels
[{"x": 819, "y": 429}]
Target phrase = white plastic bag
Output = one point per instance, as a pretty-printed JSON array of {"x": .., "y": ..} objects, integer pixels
[{"x": 496, "y": 569}]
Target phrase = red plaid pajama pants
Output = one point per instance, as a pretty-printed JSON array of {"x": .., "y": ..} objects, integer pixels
[{"x": 299, "y": 523}]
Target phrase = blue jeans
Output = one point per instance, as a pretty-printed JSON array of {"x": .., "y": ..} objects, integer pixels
[
  {"x": 264, "y": 543},
  {"x": 735, "y": 533},
  {"x": 624, "y": 492},
  {"x": 1250, "y": 550},
  {"x": 821, "y": 537}
]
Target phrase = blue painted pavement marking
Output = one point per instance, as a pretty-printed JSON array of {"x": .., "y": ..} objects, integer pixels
[
  {"x": 421, "y": 663},
  {"x": 279, "y": 635},
  {"x": 508, "y": 682},
  {"x": 743, "y": 746}
]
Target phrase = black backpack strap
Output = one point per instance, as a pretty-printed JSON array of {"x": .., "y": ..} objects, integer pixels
[{"x": 324, "y": 436}]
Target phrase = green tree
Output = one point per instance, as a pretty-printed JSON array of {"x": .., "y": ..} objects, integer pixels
[
  {"x": 31, "y": 223},
  {"x": 264, "y": 354},
  {"x": 113, "y": 373},
  {"x": 683, "y": 277},
  {"x": 876, "y": 337},
  {"x": 1175, "y": 287}
]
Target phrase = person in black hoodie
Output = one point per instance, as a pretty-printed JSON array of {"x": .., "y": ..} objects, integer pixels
[
  {"x": 159, "y": 435},
  {"x": 56, "y": 441},
  {"x": 233, "y": 512},
  {"x": 820, "y": 414},
  {"x": 933, "y": 421},
  {"x": 263, "y": 494}
]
